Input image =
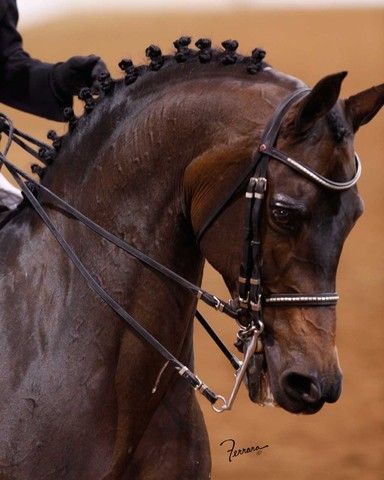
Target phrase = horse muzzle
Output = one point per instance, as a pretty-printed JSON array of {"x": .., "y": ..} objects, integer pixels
[
  {"x": 301, "y": 392},
  {"x": 293, "y": 389}
]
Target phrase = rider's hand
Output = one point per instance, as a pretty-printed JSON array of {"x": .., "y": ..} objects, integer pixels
[{"x": 77, "y": 72}]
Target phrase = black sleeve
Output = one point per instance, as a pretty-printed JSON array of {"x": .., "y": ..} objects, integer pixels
[{"x": 25, "y": 83}]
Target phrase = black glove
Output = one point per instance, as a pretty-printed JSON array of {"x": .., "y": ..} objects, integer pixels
[{"x": 77, "y": 72}]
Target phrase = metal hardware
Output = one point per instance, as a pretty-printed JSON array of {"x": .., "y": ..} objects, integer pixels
[
  {"x": 261, "y": 181},
  {"x": 253, "y": 335},
  {"x": 245, "y": 332},
  {"x": 182, "y": 370},
  {"x": 263, "y": 147},
  {"x": 219, "y": 305},
  {"x": 255, "y": 307},
  {"x": 287, "y": 299},
  {"x": 243, "y": 302},
  {"x": 199, "y": 386}
]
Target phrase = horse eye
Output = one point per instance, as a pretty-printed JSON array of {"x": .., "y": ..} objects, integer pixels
[{"x": 282, "y": 215}]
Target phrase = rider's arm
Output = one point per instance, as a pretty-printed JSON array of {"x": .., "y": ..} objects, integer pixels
[
  {"x": 25, "y": 83},
  {"x": 34, "y": 86}
]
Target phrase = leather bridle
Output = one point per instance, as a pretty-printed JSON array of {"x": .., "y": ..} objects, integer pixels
[
  {"x": 251, "y": 296},
  {"x": 252, "y": 299},
  {"x": 247, "y": 309}
]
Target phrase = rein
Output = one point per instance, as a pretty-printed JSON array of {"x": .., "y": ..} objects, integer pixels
[
  {"x": 247, "y": 309},
  {"x": 209, "y": 299}
]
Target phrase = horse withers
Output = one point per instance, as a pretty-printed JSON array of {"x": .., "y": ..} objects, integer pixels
[{"x": 150, "y": 160}]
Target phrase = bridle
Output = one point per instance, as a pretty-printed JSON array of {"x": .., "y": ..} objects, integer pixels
[
  {"x": 252, "y": 299},
  {"x": 247, "y": 309},
  {"x": 251, "y": 296}
]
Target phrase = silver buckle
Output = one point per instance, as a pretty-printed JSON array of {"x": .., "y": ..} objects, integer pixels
[
  {"x": 243, "y": 302},
  {"x": 256, "y": 307},
  {"x": 258, "y": 181},
  {"x": 261, "y": 181},
  {"x": 218, "y": 305}
]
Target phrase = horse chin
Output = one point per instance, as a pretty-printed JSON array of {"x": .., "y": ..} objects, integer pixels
[{"x": 257, "y": 382}]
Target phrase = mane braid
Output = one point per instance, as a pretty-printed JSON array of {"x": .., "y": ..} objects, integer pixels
[{"x": 226, "y": 58}]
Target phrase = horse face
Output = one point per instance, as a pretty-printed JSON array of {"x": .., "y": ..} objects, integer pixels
[
  {"x": 304, "y": 231},
  {"x": 304, "y": 228}
]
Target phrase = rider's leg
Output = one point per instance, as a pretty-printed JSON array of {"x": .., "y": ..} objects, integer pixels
[{"x": 10, "y": 196}]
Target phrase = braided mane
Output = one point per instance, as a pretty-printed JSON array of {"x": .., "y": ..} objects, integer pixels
[{"x": 184, "y": 55}]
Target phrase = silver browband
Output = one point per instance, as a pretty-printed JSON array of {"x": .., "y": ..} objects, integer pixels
[{"x": 311, "y": 174}]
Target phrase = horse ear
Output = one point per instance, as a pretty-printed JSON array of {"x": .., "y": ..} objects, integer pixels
[
  {"x": 362, "y": 107},
  {"x": 322, "y": 98}
]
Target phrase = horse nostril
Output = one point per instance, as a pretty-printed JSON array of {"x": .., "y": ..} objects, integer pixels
[
  {"x": 313, "y": 395},
  {"x": 301, "y": 387}
]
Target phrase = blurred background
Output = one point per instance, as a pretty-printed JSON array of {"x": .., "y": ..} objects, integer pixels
[{"x": 344, "y": 441}]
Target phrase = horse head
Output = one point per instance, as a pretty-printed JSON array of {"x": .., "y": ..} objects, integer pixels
[{"x": 304, "y": 227}]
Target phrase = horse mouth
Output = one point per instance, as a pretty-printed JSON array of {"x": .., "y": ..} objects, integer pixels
[{"x": 258, "y": 383}]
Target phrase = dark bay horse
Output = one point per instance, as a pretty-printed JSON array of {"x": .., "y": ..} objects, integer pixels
[{"x": 150, "y": 160}]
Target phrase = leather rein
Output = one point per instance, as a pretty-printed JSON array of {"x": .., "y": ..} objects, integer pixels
[{"x": 247, "y": 309}]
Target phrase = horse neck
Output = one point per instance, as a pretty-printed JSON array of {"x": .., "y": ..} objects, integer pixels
[
  {"x": 124, "y": 167},
  {"x": 125, "y": 172}
]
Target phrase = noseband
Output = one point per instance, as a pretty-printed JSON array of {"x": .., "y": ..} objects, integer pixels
[{"x": 247, "y": 310}]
